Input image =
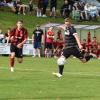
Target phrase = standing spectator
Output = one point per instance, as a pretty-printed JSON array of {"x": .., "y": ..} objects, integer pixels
[
  {"x": 59, "y": 44},
  {"x": 94, "y": 46},
  {"x": 65, "y": 9},
  {"x": 18, "y": 37},
  {"x": 7, "y": 35},
  {"x": 30, "y": 6},
  {"x": 98, "y": 52},
  {"x": 37, "y": 38},
  {"x": 49, "y": 42},
  {"x": 53, "y": 6},
  {"x": 45, "y": 5},
  {"x": 1, "y": 36},
  {"x": 87, "y": 11},
  {"x": 84, "y": 47},
  {"x": 39, "y": 9}
]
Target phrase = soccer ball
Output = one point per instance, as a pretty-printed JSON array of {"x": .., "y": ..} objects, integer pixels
[{"x": 61, "y": 61}]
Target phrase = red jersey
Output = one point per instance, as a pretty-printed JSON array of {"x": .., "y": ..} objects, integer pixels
[
  {"x": 84, "y": 45},
  {"x": 59, "y": 39},
  {"x": 50, "y": 39},
  {"x": 95, "y": 44},
  {"x": 18, "y": 36}
]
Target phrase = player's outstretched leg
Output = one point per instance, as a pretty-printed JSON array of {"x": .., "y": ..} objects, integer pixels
[{"x": 60, "y": 63}]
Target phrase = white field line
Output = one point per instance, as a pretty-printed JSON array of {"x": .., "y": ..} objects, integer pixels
[{"x": 68, "y": 73}]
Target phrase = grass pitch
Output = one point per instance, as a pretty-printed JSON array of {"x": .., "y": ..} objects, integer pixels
[{"x": 33, "y": 80}]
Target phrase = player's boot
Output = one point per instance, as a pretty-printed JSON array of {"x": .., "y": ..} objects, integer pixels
[
  {"x": 12, "y": 69},
  {"x": 57, "y": 74}
]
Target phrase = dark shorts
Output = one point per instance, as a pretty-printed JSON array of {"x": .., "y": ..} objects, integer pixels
[
  {"x": 67, "y": 52},
  {"x": 40, "y": 5},
  {"x": 18, "y": 52},
  {"x": 49, "y": 45},
  {"x": 37, "y": 45}
]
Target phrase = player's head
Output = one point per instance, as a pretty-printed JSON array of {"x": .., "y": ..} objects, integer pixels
[
  {"x": 20, "y": 24},
  {"x": 68, "y": 22},
  {"x": 50, "y": 28},
  {"x": 38, "y": 27}
]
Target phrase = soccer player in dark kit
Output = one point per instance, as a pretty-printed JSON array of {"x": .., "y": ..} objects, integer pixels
[
  {"x": 72, "y": 46},
  {"x": 18, "y": 37}
]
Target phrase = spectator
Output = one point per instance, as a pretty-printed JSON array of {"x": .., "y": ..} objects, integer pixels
[
  {"x": 98, "y": 52},
  {"x": 30, "y": 6},
  {"x": 1, "y": 36},
  {"x": 20, "y": 7},
  {"x": 84, "y": 47},
  {"x": 39, "y": 10},
  {"x": 93, "y": 12},
  {"x": 59, "y": 44},
  {"x": 7, "y": 35},
  {"x": 94, "y": 46},
  {"x": 87, "y": 10},
  {"x": 65, "y": 9},
  {"x": 49, "y": 42},
  {"x": 10, "y": 4},
  {"x": 53, "y": 6},
  {"x": 79, "y": 10},
  {"x": 45, "y": 5},
  {"x": 37, "y": 38}
]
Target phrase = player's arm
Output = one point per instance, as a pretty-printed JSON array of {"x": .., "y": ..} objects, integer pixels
[
  {"x": 77, "y": 40},
  {"x": 32, "y": 38},
  {"x": 11, "y": 36},
  {"x": 42, "y": 38},
  {"x": 62, "y": 27}
]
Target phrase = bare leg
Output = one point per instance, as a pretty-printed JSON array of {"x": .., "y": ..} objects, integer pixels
[{"x": 12, "y": 56}]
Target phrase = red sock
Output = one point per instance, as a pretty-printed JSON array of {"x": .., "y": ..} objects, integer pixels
[{"x": 12, "y": 62}]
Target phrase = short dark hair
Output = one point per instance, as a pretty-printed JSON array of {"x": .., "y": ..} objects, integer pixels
[
  {"x": 67, "y": 20},
  {"x": 20, "y": 21}
]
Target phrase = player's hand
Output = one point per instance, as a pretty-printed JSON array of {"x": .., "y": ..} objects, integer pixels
[
  {"x": 19, "y": 46},
  {"x": 80, "y": 47},
  {"x": 12, "y": 38}
]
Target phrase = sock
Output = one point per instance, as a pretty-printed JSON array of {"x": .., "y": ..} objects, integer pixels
[
  {"x": 12, "y": 62},
  {"x": 37, "y": 14},
  {"x": 88, "y": 57},
  {"x": 61, "y": 67},
  {"x": 40, "y": 14}
]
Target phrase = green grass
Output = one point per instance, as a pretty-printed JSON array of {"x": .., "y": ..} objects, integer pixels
[
  {"x": 33, "y": 80},
  {"x": 8, "y": 19}
]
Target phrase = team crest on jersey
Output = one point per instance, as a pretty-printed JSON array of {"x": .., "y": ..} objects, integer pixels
[{"x": 67, "y": 32}]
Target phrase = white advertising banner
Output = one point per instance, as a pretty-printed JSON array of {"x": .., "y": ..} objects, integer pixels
[
  {"x": 27, "y": 49},
  {"x": 4, "y": 49}
]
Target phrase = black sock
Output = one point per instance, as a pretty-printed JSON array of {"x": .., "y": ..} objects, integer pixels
[
  {"x": 61, "y": 67},
  {"x": 88, "y": 57}
]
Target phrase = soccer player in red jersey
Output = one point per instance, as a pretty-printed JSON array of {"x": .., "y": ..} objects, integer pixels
[
  {"x": 49, "y": 42},
  {"x": 59, "y": 44},
  {"x": 18, "y": 37}
]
